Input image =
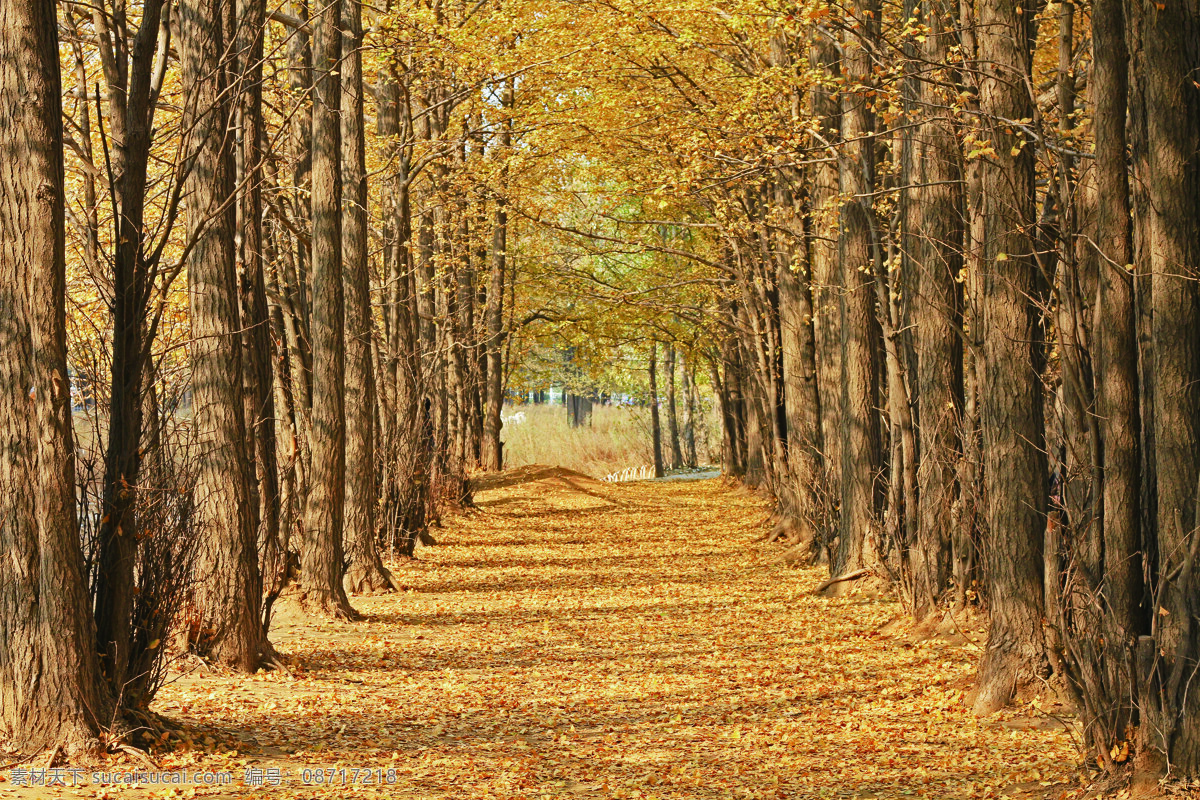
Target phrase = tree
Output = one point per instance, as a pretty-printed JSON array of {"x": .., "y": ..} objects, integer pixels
[
  {"x": 937, "y": 312},
  {"x": 493, "y": 448},
  {"x": 655, "y": 423},
  {"x": 1013, "y": 424},
  {"x": 51, "y": 692},
  {"x": 258, "y": 390},
  {"x": 1172, "y": 651},
  {"x": 826, "y": 271},
  {"x": 672, "y": 413},
  {"x": 229, "y": 584},
  {"x": 321, "y": 552},
  {"x": 366, "y": 571},
  {"x": 860, "y": 446},
  {"x": 128, "y": 58}
]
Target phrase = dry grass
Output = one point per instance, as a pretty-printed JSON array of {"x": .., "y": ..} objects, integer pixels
[{"x": 617, "y": 438}]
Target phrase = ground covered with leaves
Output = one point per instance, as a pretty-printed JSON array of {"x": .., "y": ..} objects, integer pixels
[{"x": 575, "y": 638}]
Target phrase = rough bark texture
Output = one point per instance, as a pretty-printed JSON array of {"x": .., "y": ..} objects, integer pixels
[
  {"x": 258, "y": 392},
  {"x": 826, "y": 280},
  {"x": 1094, "y": 629},
  {"x": 229, "y": 586},
  {"x": 860, "y": 450},
  {"x": 801, "y": 397},
  {"x": 366, "y": 572},
  {"x": 1171, "y": 38},
  {"x": 1012, "y": 417},
  {"x": 406, "y": 490},
  {"x": 970, "y": 474},
  {"x": 493, "y": 447},
  {"x": 321, "y": 552},
  {"x": 1116, "y": 355},
  {"x": 51, "y": 692},
  {"x": 937, "y": 314}
]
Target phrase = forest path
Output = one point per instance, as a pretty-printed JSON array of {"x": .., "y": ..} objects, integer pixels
[{"x": 571, "y": 638}]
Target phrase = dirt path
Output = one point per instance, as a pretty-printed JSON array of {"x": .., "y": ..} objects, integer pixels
[{"x": 574, "y": 638}]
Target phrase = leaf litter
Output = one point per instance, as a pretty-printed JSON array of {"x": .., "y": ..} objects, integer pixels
[{"x": 571, "y": 638}]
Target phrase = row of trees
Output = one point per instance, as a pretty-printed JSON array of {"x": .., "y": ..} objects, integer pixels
[
  {"x": 959, "y": 263},
  {"x": 938, "y": 257},
  {"x": 295, "y": 377}
]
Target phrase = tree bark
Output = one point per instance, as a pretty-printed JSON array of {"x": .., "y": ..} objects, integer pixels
[
  {"x": 1171, "y": 35},
  {"x": 493, "y": 447},
  {"x": 229, "y": 585},
  {"x": 258, "y": 389},
  {"x": 1012, "y": 417},
  {"x": 51, "y": 692},
  {"x": 132, "y": 90},
  {"x": 321, "y": 553},
  {"x": 366, "y": 572},
  {"x": 826, "y": 281},
  {"x": 937, "y": 315},
  {"x": 689, "y": 416},
  {"x": 1116, "y": 337},
  {"x": 801, "y": 395},
  {"x": 860, "y": 435}
]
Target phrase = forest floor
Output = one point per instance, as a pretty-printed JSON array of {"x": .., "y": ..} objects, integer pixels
[{"x": 571, "y": 638}]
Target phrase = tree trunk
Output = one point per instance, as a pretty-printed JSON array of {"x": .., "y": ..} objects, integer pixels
[
  {"x": 1102, "y": 646},
  {"x": 229, "y": 585},
  {"x": 1013, "y": 423},
  {"x": 321, "y": 553},
  {"x": 493, "y": 447},
  {"x": 51, "y": 692},
  {"x": 406, "y": 490},
  {"x": 655, "y": 424},
  {"x": 689, "y": 416},
  {"x": 1116, "y": 338},
  {"x": 258, "y": 389},
  {"x": 860, "y": 450},
  {"x": 131, "y": 89},
  {"x": 672, "y": 411},
  {"x": 366, "y": 572},
  {"x": 826, "y": 286},
  {"x": 938, "y": 317},
  {"x": 1170, "y": 35},
  {"x": 801, "y": 396},
  {"x": 966, "y": 536}
]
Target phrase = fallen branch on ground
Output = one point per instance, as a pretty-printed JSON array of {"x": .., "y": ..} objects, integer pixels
[{"x": 849, "y": 576}]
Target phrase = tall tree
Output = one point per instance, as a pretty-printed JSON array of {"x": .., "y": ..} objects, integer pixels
[
  {"x": 826, "y": 273},
  {"x": 258, "y": 375},
  {"x": 689, "y": 416},
  {"x": 132, "y": 63},
  {"x": 230, "y": 586},
  {"x": 1172, "y": 713},
  {"x": 493, "y": 449},
  {"x": 655, "y": 423},
  {"x": 672, "y": 410},
  {"x": 1015, "y": 482},
  {"x": 937, "y": 315},
  {"x": 321, "y": 552},
  {"x": 366, "y": 571},
  {"x": 51, "y": 692},
  {"x": 860, "y": 447}
]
